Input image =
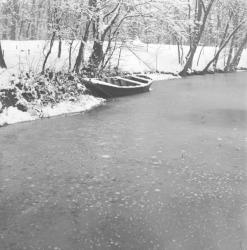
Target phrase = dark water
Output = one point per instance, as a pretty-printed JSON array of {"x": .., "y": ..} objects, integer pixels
[{"x": 163, "y": 170}]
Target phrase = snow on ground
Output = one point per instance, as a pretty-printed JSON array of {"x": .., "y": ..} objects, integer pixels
[
  {"x": 243, "y": 60},
  {"x": 86, "y": 102},
  {"x": 135, "y": 57},
  {"x": 159, "y": 57},
  {"x": 13, "y": 115},
  {"x": 23, "y": 56},
  {"x": 161, "y": 77}
]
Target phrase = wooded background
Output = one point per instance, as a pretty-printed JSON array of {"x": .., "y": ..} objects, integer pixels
[{"x": 217, "y": 23}]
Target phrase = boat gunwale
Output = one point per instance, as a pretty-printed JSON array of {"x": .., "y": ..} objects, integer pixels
[{"x": 96, "y": 81}]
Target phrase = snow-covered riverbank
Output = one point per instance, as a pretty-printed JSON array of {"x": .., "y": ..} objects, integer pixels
[
  {"x": 27, "y": 56},
  {"x": 84, "y": 102},
  {"x": 39, "y": 96},
  {"x": 13, "y": 115}
]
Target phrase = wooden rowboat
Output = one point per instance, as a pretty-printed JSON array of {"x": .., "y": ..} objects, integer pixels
[{"x": 118, "y": 86}]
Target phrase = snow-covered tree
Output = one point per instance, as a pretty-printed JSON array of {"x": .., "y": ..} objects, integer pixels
[{"x": 202, "y": 10}]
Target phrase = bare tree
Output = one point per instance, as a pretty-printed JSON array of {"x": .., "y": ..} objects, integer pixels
[
  {"x": 55, "y": 19},
  {"x": 2, "y": 61},
  {"x": 201, "y": 14},
  {"x": 223, "y": 45},
  {"x": 236, "y": 59},
  {"x": 101, "y": 26},
  {"x": 84, "y": 39}
]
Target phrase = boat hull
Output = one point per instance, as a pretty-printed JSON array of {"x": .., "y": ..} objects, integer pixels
[{"x": 108, "y": 91}]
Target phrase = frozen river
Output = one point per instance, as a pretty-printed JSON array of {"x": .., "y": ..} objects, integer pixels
[{"x": 165, "y": 170}]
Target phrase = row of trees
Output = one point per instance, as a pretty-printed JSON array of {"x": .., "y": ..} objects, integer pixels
[{"x": 217, "y": 23}]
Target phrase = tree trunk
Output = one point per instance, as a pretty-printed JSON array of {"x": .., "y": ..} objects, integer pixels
[
  {"x": 179, "y": 56},
  {"x": 230, "y": 54},
  {"x": 49, "y": 52},
  {"x": 2, "y": 61},
  {"x": 180, "y": 50},
  {"x": 28, "y": 29},
  {"x": 200, "y": 54},
  {"x": 221, "y": 43},
  {"x": 189, "y": 61},
  {"x": 97, "y": 55},
  {"x": 13, "y": 31},
  {"x": 70, "y": 53},
  {"x": 235, "y": 61},
  {"x": 221, "y": 48},
  {"x": 80, "y": 57},
  {"x": 197, "y": 34},
  {"x": 119, "y": 57},
  {"x": 189, "y": 17},
  {"x": 59, "y": 47}
]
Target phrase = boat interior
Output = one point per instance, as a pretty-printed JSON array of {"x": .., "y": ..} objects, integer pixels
[{"x": 126, "y": 81}]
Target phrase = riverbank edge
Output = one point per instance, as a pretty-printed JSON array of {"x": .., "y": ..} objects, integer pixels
[
  {"x": 211, "y": 72},
  {"x": 84, "y": 103}
]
